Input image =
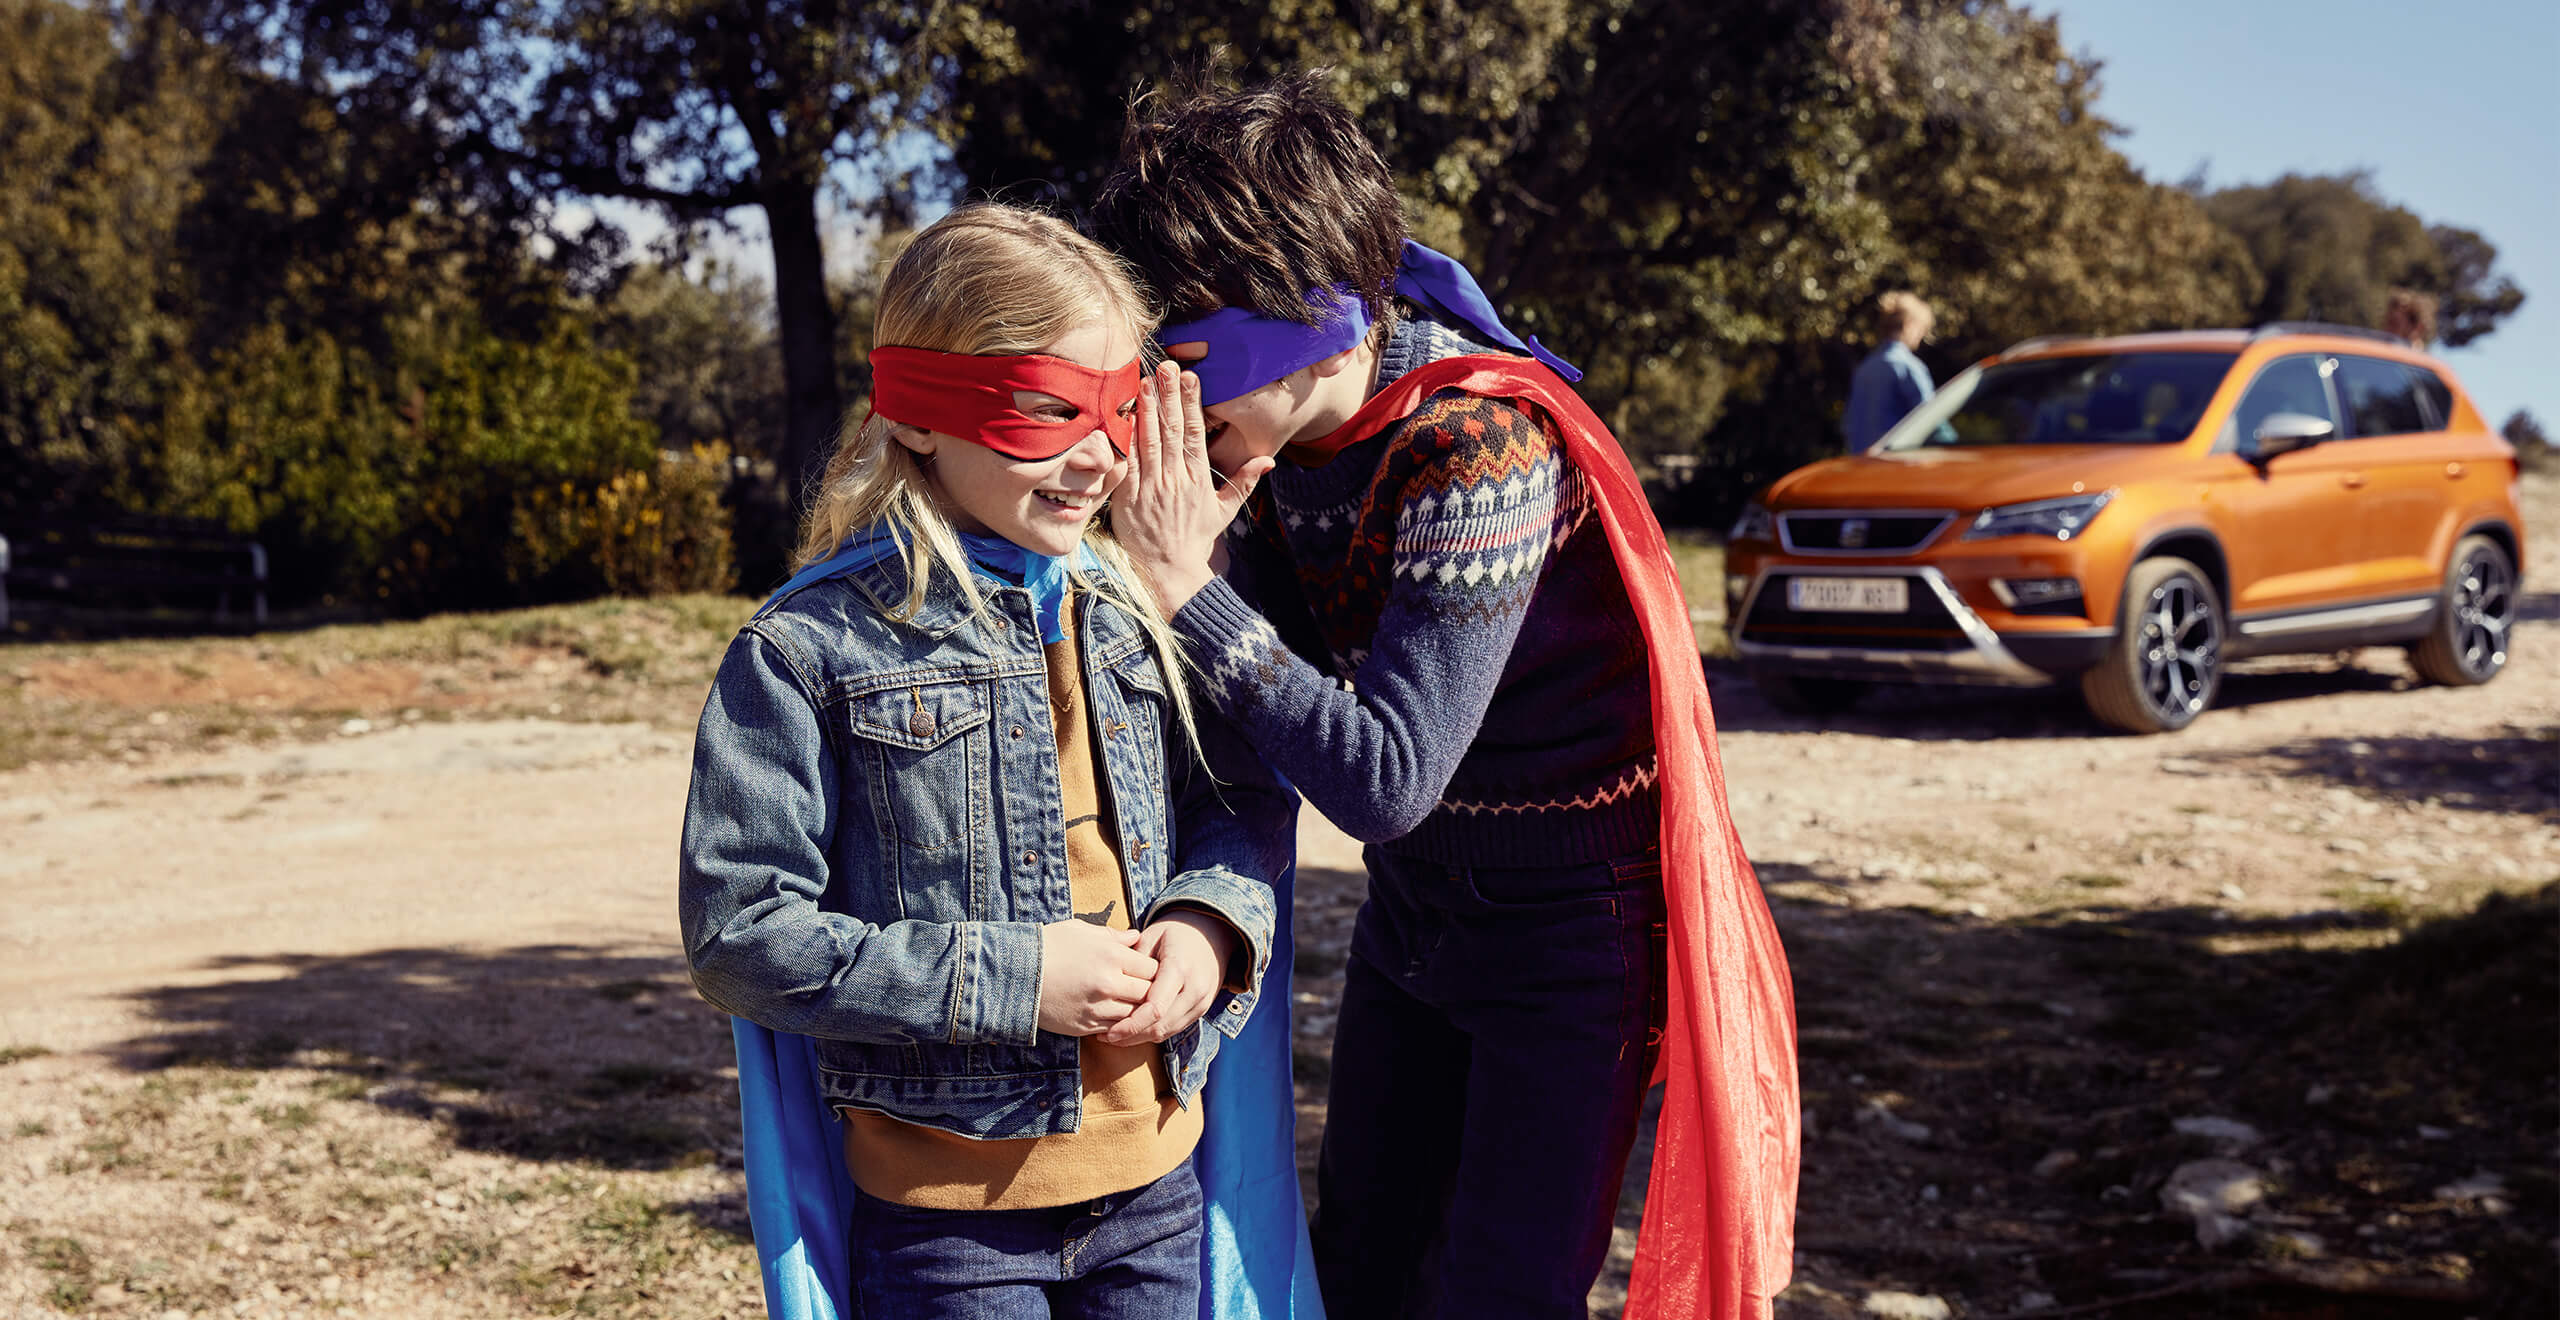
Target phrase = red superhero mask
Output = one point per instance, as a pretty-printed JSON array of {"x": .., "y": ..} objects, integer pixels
[{"x": 972, "y": 398}]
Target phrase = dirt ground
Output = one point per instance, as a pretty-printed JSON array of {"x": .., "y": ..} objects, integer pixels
[{"x": 337, "y": 976}]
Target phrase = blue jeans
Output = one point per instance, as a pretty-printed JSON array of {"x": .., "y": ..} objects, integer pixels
[
  {"x": 1497, "y": 1034},
  {"x": 1132, "y": 1255}
]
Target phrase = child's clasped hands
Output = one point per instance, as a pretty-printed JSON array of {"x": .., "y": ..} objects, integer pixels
[{"x": 1130, "y": 987}]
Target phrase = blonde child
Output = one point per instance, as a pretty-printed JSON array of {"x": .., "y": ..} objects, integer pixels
[{"x": 954, "y": 821}]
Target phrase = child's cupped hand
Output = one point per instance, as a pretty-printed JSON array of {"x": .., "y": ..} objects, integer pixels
[
  {"x": 1090, "y": 976},
  {"x": 1191, "y": 950}
]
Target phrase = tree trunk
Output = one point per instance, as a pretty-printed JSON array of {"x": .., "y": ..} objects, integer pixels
[{"x": 812, "y": 405}]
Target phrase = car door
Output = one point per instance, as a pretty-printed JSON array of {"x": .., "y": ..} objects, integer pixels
[
  {"x": 2287, "y": 523},
  {"x": 2403, "y": 454}
]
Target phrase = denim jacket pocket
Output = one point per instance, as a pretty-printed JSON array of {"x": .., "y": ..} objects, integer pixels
[{"x": 925, "y": 773}]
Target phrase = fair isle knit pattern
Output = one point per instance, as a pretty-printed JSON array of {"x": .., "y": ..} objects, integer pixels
[
  {"x": 1637, "y": 781},
  {"x": 1481, "y": 695}
]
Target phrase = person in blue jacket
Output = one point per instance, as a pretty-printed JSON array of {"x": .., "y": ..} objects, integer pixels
[
  {"x": 984, "y": 891},
  {"x": 1892, "y": 381}
]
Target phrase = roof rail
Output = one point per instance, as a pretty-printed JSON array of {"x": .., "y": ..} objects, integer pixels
[
  {"x": 2324, "y": 328},
  {"x": 2038, "y": 342}
]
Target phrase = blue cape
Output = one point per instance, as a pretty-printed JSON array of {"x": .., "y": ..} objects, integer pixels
[{"x": 1255, "y": 1261}]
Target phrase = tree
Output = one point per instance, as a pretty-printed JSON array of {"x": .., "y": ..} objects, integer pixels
[
  {"x": 2331, "y": 249},
  {"x": 2533, "y": 444},
  {"x": 2471, "y": 298},
  {"x": 695, "y": 107},
  {"x": 99, "y": 166}
]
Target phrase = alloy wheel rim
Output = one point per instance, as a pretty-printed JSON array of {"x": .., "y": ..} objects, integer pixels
[
  {"x": 2181, "y": 645},
  {"x": 2484, "y": 606}
]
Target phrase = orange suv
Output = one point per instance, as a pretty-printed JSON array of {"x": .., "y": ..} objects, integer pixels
[{"x": 2133, "y": 513}]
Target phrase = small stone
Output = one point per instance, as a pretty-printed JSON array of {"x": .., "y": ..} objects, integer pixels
[
  {"x": 2479, "y": 1186},
  {"x": 1907, "y": 1306},
  {"x": 2320, "y": 1093},
  {"x": 2229, "y": 1134},
  {"x": 2055, "y": 1162},
  {"x": 1976, "y": 910},
  {"x": 2214, "y": 1194},
  {"x": 1929, "y": 1193},
  {"x": 2181, "y": 765},
  {"x": 2233, "y": 894},
  {"x": 355, "y": 728},
  {"x": 2430, "y": 1132},
  {"x": 2298, "y": 1245},
  {"x": 2507, "y": 868},
  {"x": 1876, "y": 1113},
  {"x": 2344, "y": 845},
  {"x": 2035, "y": 1301}
]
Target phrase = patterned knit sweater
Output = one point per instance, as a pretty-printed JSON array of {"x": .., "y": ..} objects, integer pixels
[{"x": 1463, "y": 679}]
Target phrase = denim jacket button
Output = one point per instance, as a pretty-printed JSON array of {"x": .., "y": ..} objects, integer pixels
[
  {"x": 1030, "y": 858},
  {"x": 1237, "y": 1008},
  {"x": 1017, "y": 733}
]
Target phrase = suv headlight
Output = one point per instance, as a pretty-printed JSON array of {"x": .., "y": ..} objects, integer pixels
[
  {"x": 1755, "y": 524},
  {"x": 2060, "y": 519}
]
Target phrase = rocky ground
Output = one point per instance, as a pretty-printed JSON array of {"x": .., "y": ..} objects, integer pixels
[{"x": 337, "y": 978}]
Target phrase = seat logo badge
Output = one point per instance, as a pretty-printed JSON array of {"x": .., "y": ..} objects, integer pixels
[{"x": 1853, "y": 533}]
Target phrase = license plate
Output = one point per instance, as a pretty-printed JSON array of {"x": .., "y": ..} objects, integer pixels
[{"x": 1857, "y": 595}]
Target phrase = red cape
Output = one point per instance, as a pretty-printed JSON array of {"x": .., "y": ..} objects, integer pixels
[{"x": 1719, "y": 1225}]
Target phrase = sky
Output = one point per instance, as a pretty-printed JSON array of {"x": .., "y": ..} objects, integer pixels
[{"x": 2450, "y": 105}]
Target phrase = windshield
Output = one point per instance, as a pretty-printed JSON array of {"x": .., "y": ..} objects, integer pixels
[{"x": 2114, "y": 399}]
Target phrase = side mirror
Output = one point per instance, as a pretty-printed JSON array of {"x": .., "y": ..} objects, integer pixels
[{"x": 2288, "y": 431}]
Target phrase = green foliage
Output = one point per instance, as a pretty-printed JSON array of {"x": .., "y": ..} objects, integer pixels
[
  {"x": 639, "y": 534},
  {"x": 2328, "y": 248},
  {"x": 1697, "y": 202},
  {"x": 222, "y": 296},
  {"x": 98, "y": 166},
  {"x": 399, "y": 480},
  {"x": 704, "y": 350},
  {"x": 2533, "y": 444}
]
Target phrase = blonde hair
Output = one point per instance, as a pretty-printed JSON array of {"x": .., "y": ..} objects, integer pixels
[
  {"x": 986, "y": 279},
  {"x": 1898, "y": 309}
]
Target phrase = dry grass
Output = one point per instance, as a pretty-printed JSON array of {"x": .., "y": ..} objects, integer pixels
[
  {"x": 604, "y": 660},
  {"x": 1698, "y": 556},
  {"x": 418, "y": 1133}
]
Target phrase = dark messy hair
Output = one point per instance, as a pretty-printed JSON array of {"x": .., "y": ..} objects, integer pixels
[{"x": 1250, "y": 199}]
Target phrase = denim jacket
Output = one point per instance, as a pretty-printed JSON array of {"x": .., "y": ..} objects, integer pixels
[{"x": 874, "y": 840}]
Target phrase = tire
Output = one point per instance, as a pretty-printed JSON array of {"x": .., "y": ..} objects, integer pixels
[
  {"x": 2476, "y": 613},
  {"x": 2165, "y": 664},
  {"x": 1809, "y": 696}
]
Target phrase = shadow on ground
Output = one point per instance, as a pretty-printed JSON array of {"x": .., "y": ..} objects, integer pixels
[
  {"x": 2515, "y": 772},
  {"x": 1992, "y": 1109},
  {"x": 1982, "y": 714},
  {"x": 545, "y": 1053}
]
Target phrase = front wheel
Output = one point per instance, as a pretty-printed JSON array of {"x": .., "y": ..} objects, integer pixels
[
  {"x": 2468, "y": 645},
  {"x": 2165, "y": 664}
]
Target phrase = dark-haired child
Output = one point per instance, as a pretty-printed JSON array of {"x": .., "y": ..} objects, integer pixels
[{"x": 1453, "y": 624}]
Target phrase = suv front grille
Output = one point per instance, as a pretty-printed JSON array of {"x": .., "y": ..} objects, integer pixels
[{"x": 1860, "y": 531}]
